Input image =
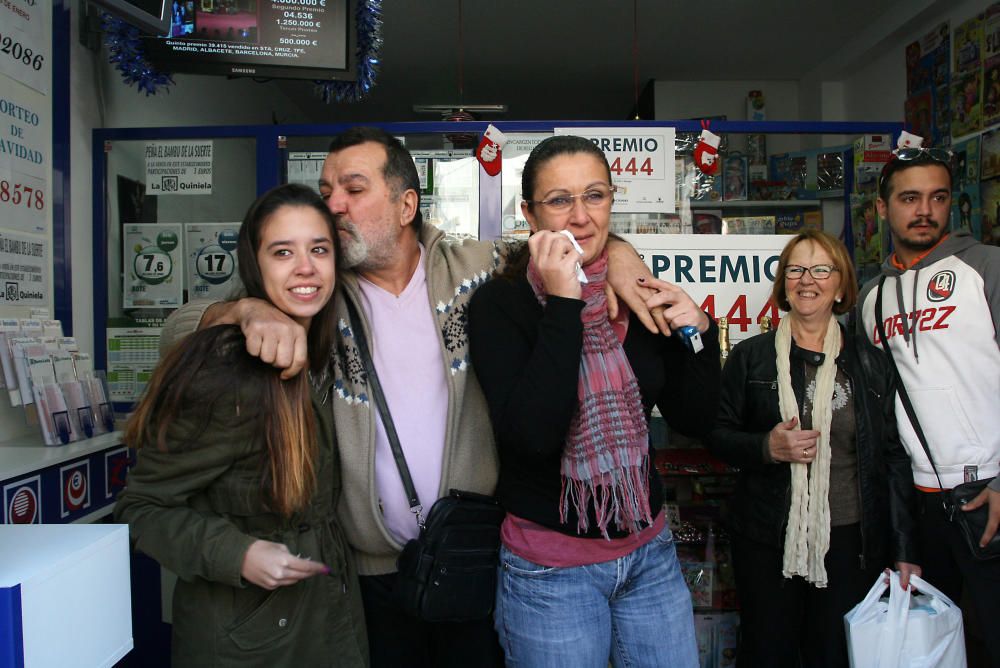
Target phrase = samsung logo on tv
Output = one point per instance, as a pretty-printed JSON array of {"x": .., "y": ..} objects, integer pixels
[{"x": 243, "y": 70}]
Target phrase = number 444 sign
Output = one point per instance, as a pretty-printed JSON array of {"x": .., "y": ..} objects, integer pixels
[
  {"x": 152, "y": 254},
  {"x": 727, "y": 275}
]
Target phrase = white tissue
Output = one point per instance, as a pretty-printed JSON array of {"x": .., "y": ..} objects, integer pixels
[{"x": 581, "y": 276}]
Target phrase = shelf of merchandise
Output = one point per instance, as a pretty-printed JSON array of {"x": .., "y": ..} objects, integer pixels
[
  {"x": 830, "y": 194},
  {"x": 703, "y": 546},
  {"x": 757, "y": 204},
  {"x": 690, "y": 461}
]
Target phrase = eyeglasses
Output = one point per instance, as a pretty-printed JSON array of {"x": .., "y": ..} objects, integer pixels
[
  {"x": 820, "y": 272},
  {"x": 940, "y": 155},
  {"x": 594, "y": 198}
]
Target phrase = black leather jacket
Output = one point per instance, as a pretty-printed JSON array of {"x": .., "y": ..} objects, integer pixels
[{"x": 749, "y": 410}]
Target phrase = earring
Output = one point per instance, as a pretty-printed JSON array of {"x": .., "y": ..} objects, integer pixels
[{"x": 839, "y": 299}]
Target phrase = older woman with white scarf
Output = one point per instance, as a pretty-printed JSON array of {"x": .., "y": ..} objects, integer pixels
[{"x": 824, "y": 497}]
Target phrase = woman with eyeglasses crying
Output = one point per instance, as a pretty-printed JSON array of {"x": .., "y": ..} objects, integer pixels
[
  {"x": 588, "y": 568},
  {"x": 824, "y": 496}
]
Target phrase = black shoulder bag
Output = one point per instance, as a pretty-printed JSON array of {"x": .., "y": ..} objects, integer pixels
[
  {"x": 448, "y": 573},
  {"x": 972, "y": 524}
]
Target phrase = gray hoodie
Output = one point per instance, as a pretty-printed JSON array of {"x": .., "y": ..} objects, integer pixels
[{"x": 942, "y": 323}]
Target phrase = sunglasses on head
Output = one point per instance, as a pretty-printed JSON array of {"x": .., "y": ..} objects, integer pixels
[{"x": 939, "y": 155}]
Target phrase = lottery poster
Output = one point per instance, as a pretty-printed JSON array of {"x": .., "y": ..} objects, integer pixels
[
  {"x": 642, "y": 166},
  {"x": 179, "y": 167},
  {"x": 212, "y": 267},
  {"x": 24, "y": 270},
  {"x": 725, "y": 274},
  {"x": 152, "y": 271},
  {"x": 26, "y": 129}
]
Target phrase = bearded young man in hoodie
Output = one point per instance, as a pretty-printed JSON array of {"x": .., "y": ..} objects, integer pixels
[{"x": 941, "y": 316}]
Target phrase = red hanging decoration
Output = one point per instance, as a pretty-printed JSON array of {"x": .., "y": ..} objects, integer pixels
[{"x": 706, "y": 152}]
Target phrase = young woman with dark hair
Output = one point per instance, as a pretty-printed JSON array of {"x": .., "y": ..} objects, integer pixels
[{"x": 237, "y": 480}]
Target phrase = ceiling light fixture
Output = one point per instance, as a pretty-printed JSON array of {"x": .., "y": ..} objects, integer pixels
[{"x": 445, "y": 109}]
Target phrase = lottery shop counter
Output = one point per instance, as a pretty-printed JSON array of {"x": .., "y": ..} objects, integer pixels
[{"x": 61, "y": 484}]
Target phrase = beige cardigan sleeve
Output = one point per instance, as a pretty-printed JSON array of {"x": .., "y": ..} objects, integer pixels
[{"x": 182, "y": 322}]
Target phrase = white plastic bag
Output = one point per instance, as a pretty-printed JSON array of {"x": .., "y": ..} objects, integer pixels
[{"x": 921, "y": 630}]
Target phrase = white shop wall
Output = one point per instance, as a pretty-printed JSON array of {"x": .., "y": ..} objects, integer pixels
[
  {"x": 678, "y": 100},
  {"x": 99, "y": 98},
  {"x": 866, "y": 82}
]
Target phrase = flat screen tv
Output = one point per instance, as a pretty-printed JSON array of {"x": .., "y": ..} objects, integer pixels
[
  {"x": 151, "y": 16},
  {"x": 287, "y": 39}
]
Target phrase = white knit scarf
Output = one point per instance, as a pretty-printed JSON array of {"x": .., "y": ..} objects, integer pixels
[{"x": 807, "y": 537}]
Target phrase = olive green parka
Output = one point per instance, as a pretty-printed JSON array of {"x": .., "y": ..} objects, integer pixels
[{"x": 198, "y": 506}]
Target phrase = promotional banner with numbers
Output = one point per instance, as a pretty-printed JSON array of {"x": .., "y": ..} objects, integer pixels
[
  {"x": 26, "y": 43},
  {"x": 642, "y": 165},
  {"x": 25, "y": 115},
  {"x": 25, "y": 138},
  {"x": 212, "y": 268},
  {"x": 153, "y": 271},
  {"x": 728, "y": 275}
]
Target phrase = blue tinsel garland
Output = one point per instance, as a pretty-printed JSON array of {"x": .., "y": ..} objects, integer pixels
[
  {"x": 129, "y": 57},
  {"x": 369, "y": 22}
]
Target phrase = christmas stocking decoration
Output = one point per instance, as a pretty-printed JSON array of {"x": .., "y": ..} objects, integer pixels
[
  {"x": 706, "y": 153},
  {"x": 489, "y": 151}
]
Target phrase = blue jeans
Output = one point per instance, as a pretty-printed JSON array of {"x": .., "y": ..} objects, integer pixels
[{"x": 635, "y": 610}]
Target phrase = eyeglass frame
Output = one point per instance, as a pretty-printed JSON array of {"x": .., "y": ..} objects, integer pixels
[
  {"x": 934, "y": 155},
  {"x": 612, "y": 189},
  {"x": 833, "y": 268}
]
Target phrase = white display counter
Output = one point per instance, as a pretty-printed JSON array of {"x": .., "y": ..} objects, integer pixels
[{"x": 64, "y": 595}]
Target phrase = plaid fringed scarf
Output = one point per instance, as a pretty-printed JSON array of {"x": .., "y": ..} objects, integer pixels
[{"x": 605, "y": 462}]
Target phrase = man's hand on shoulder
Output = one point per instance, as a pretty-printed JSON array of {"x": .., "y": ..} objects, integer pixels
[
  {"x": 271, "y": 335},
  {"x": 624, "y": 268}
]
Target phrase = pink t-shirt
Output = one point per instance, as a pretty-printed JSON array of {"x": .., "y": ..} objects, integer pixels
[{"x": 406, "y": 351}]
